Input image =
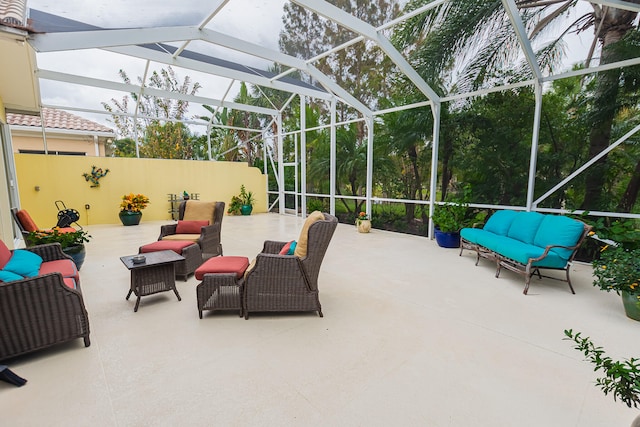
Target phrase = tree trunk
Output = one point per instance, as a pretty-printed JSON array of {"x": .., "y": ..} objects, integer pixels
[
  {"x": 631, "y": 193},
  {"x": 615, "y": 24}
]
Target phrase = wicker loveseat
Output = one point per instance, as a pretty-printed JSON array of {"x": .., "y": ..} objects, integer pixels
[
  {"x": 527, "y": 242},
  {"x": 42, "y": 310}
]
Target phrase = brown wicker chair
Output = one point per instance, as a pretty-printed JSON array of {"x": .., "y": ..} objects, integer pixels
[
  {"x": 26, "y": 224},
  {"x": 288, "y": 282},
  {"x": 41, "y": 311},
  {"x": 209, "y": 237}
]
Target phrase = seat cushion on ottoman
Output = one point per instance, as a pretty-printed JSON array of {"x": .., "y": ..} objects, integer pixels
[
  {"x": 166, "y": 245},
  {"x": 223, "y": 264}
]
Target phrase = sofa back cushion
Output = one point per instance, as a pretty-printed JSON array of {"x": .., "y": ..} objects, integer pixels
[
  {"x": 559, "y": 230},
  {"x": 525, "y": 226},
  {"x": 5, "y": 254},
  {"x": 303, "y": 240},
  {"x": 24, "y": 263},
  {"x": 26, "y": 221},
  {"x": 198, "y": 210},
  {"x": 500, "y": 222}
]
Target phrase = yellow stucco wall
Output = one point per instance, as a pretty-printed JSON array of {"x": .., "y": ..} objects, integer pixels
[{"x": 60, "y": 178}]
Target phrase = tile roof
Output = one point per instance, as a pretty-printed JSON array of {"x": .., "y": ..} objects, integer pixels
[{"x": 57, "y": 119}]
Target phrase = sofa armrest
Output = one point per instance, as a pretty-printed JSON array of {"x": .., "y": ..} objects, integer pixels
[
  {"x": 49, "y": 252},
  {"x": 548, "y": 248},
  {"x": 61, "y": 314},
  {"x": 277, "y": 272}
]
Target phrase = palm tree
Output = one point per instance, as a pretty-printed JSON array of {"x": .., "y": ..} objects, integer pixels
[{"x": 472, "y": 39}]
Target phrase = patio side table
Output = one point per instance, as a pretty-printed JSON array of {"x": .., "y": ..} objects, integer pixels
[{"x": 155, "y": 274}]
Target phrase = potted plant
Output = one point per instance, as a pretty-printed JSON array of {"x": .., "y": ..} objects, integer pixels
[
  {"x": 363, "y": 223},
  {"x": 72, "y": 242},
  {"x": 618, "y": 270},
  {"x": 131, "y": 207},
  {"x": 449, "y": 219},
  {"x": 621, "y": 378},
  {"x": 234, "y": 206}
]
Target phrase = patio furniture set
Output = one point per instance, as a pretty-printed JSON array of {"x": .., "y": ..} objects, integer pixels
[
  {"x": 42, "y": 306},
  {"x": 284, "y": 277}
]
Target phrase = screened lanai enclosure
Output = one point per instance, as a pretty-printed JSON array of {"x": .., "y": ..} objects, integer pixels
[{"x": 526, "y": 104}]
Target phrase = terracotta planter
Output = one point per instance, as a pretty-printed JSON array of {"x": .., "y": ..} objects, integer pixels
[
  {"x": 363, "y": 225},
  {"x": 630, "y": 303},
  {"x": 130, "y": 217}
]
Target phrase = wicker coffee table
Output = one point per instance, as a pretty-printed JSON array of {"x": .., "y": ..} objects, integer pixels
[{"x": 156, "y": 274}]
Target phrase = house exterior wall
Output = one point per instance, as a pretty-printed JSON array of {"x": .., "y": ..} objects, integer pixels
[
  {"x": 43, "y": 179},
  {"x": 82, "y": 144}
]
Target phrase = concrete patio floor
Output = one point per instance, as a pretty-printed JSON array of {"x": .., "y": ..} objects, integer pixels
[{"x": 412, "y": 335}]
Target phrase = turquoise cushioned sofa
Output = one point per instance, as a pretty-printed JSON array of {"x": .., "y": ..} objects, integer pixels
[{"x": 526, "y": 242}]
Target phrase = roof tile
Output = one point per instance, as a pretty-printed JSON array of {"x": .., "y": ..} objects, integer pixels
[{"x": 57, "y": 119}]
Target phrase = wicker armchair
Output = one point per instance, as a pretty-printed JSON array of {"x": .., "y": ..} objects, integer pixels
[
  {"x": 41, "y": 311},
  {"x": 209, "y": 237},
  {"x": 289, "y": 282}
]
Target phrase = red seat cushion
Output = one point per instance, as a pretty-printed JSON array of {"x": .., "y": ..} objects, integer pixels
[
  {"x": 69, "y": 282},
  {"x": 63, "y": 266},
  {"x": 223, "y": 264},
  {"x": 166, "y": 245},
  {"x": 190, "y": 227}
]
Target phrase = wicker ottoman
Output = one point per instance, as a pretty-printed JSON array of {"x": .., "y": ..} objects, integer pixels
[
  {"x": 222, "y": 279},
  {"x": 189, "y": 250}
]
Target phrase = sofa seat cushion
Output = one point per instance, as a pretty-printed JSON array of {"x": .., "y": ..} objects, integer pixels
[
  {"x": 472, "y": 234},
  {"x": 70, "y": 282},
  {"x": 522, "y": 252},
  {"x": 559, "y": 230},
  {"x": 500, "y": 222},
  {"x": 184, "y": 237},
  {"x": 65, "y": 267},
  {"x": 492, "y": 241},
  {"x": 223, "y": 264},
  {"x": 166, "y": 245},
  {"x": 524, "y": 226}
]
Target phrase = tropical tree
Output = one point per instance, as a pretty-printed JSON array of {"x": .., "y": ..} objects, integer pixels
[
  {"x": 472, "y": 40},
  {"x": 153, "y": 112}
]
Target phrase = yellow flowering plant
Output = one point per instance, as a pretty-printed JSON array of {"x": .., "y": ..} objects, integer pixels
[
  {"x": 618, "y": 270},
  {"x": 134, "y": 202}
]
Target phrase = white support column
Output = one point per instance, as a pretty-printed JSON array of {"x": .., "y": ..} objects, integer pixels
[
  {"x": 332, "y": 159},
  {"x": 533, "y": 161},
  {"x": 433, "y": 185},
  {"x": 281, "y": 205},
  {"x": 303, "y": 156},
  {"x": 369, "y": 190}
]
